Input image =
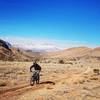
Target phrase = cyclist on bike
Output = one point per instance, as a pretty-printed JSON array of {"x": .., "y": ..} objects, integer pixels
[{"x": 37, "y": 69}]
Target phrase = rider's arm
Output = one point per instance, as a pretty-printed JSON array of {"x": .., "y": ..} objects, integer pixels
[
  {"x": 31, "y": 68},
  {"x": 39, "y": 67}
]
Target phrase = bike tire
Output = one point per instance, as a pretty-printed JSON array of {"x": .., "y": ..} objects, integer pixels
[{"x": 32, "y": 81}]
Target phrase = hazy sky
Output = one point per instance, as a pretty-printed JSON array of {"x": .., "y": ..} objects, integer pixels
[{"x": 61, "y": 20}]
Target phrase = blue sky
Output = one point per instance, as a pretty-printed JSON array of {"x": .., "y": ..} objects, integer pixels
[{"x": 61, "y": 20}]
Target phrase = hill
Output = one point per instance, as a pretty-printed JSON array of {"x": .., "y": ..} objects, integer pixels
[
  {"x": 7, "y": 52},
  {"x": 74, "y": 54}
]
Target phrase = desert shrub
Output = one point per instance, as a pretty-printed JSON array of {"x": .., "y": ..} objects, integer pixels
[
  {"x": 94, "y": 78},
  {"x": 81, "y": 81},
  {"x": 61, "y": 62},
  {"x": 98, "y": 58},
  {"x": 75, "y": 62},
  {"x": 3, "y": 83},
  {"x": 18, "y": 50},
  {"x": 96, "y": 71},
  {"x": 70, "y": 63},
  {"x": 75, "y": 82},
  {"x": 49, "y": 61},
  {"x": 88, "y": 81},
  {"x": 73, "y": 59}
]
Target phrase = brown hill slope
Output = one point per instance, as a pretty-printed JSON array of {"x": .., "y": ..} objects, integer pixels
[
  {"x": 71, "y": 52},
  {"x": 74, "y": 54},
  {"x": 13, "y": 54}
]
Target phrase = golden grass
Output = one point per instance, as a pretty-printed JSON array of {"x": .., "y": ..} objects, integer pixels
[{"x": 68, "y": 79}]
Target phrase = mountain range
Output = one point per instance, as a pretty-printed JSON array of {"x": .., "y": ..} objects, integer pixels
[{"x": 18, "y": 53}]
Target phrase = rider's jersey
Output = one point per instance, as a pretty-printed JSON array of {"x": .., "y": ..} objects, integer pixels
[{"x": 36, "y": 67}]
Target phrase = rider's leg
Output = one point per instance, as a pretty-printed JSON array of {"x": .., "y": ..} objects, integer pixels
[{"x": 38, "y": 78}]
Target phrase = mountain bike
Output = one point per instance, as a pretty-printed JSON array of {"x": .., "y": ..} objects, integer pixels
[{"x": 35, "y": 78}]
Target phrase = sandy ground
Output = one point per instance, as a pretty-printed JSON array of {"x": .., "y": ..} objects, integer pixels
[{"x": 58, "y": 82}]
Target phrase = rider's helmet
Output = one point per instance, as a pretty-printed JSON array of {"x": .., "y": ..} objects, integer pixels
[{"x": 34, "y": 62}]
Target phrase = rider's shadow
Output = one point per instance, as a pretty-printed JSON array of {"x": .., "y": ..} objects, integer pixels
[{"x": 47, "y": 82}]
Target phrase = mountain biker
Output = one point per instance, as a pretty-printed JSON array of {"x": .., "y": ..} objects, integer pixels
[{"x": 37, "y": 69}]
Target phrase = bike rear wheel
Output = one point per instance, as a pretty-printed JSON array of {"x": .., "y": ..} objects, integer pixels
[{"x": 38, "y": 79}]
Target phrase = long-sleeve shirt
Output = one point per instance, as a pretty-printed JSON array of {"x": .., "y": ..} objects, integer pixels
[{"x": 36, "y": 67}]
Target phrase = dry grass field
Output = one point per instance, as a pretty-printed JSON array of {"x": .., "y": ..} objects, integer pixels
[{"x": 58, "y": 81}]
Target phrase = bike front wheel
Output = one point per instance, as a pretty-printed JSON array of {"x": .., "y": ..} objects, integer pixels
[{"x": 32, "y": 81}]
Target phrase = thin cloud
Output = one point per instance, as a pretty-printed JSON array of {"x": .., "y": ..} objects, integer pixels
[{"x": 43, "y": 44}]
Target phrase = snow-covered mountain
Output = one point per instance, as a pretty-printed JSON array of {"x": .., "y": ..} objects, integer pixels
[
  {"x": 37, "y": 47},
  {"x": 43, "y": 45},
  {"x": 34, "y": 45}
]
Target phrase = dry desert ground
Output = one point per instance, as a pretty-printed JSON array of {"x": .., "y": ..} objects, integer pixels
[{"x": 58, "y": 82}]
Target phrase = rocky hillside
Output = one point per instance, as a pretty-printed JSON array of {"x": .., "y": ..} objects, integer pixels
[
  {"x": 74, "y": 54},
  {"x": 7, "y": 52}
]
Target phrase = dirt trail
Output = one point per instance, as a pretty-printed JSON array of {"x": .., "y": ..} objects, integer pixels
[
  {"x": 14, "y": 92},
  {"x": 18, "y": 91}
]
